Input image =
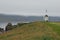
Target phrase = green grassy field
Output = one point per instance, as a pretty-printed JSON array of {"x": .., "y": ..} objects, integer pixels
[{"x": 34, "y": 31}]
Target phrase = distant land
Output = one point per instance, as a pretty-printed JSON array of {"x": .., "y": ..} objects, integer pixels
[{"x": 16, "y": 18}]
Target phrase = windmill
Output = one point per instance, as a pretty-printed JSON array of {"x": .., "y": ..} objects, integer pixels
[{"x": 46, "y": 17}]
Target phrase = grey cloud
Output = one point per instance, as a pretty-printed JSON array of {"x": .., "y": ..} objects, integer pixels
[{"x": 30, "y": 6}]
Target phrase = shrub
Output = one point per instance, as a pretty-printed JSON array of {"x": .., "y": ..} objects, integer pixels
[
  {"x": 20, "y": 24},
  {"x": 9, "y": 26},
  {"x": 1, "y": 30}
]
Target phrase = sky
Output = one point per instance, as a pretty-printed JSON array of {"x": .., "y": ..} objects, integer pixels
[{"x": 30, "y": 7}]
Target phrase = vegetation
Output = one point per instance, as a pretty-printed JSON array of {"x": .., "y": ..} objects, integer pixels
[
  {"x": 55, "y": 27},
  {"x": 1, "y": 30},
  {"x": 9, "y": 26},
  {"x": 33, "y": 31},
  {"x": 20, "y": 24}
]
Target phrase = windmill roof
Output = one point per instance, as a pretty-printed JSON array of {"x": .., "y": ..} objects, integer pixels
[{"x": 46, "y": 15}]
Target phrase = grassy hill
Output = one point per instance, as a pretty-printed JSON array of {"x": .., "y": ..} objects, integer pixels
[{"x": 33, "y": 31}]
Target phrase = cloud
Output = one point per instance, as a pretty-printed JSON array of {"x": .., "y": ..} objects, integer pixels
[{"x": 29, "y": 6}]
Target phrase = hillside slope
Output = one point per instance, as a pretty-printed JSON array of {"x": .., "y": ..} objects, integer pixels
[{"x": 31, "y": 31}]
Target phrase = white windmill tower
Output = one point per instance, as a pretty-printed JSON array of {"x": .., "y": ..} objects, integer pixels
[{"x": 46, "y": 17}]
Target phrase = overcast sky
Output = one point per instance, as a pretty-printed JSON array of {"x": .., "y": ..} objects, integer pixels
[{"x": 30, "y": 7}]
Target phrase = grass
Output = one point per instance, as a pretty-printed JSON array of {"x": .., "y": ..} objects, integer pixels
[
  {"x": 33, "y": 31},
  {"x": 55, "y": 27}
]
